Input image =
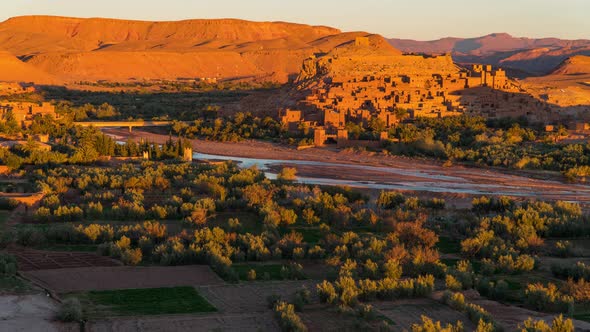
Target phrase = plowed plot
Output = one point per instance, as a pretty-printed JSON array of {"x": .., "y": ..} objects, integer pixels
[
  {"x": 181, "y": 323},
  {"x": 326, "y": 318},
  {"x": 123, "y": 277},
  {"x": 250, "y": 297},
  {"x": 511, "y": 316},
  {"x": 29, "y": 260},
  {"x": 404, "y": 313}
]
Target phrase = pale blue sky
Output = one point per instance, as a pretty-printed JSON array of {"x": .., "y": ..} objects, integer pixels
[{"x": 415, "y": 19}]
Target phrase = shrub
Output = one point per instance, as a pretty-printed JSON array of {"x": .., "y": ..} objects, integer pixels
[
  {"x": 390, "y": 200},
  {"x": 251, "y": 275},
  {"x": 301, "y": 298},
  {"x": 272, "y": 300},
  {"x": 424, "y": 286},
  {"x": 287, "y": 174},
  {"x": 298, "y": 253},
  {"x": 131, "y": 256},
  {"x": 123, "y": 243},
  {"x": 316, "y": 252},
  {"x": 548, "y": 298},
  {"x": 477, "y": 313},
  {"x": 234, "y": 223},
  {"x": 8, "y": 264},
  {"x": 326, "y": 292},
  {"x": 558, "y": 325},
  {"x": 8, "y": 203},
  {"x": 498, "y": 290},
  {"x": 392, "y": 269},
  {"x": 366, "y": 312},
  {"x": 70, "y": 311},
  {"x": 452, "y": 283},
  {"x": 576, "y": 272},
  {"x": 42, "y": 214},
  {"x": 564, "y": 249},
  {"x": 454, "y": 300},
  {"x": 579, "y": 290},
  {"x": 429, "y": 326},
  {"x": 289, "y": 321}
]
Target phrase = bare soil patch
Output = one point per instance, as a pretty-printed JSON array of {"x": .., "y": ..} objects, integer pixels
[
  {"x": 320, "y": 317},
  {"x": 251, "y": 297},
  {"x": 124, "y": 277},
  {"x": 30, "y": 260},
  {"x": 511, "y": 316},
  {"x": 404, "y": 313},
  {"x": 208, "y": 322},
  {"x": 30, "y": 313}
]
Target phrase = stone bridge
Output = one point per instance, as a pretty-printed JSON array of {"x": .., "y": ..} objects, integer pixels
[{"x": 129, "y": 124}]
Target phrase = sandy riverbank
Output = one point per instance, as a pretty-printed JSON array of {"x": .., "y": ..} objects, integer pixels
[{"x": 378, "y": 168}]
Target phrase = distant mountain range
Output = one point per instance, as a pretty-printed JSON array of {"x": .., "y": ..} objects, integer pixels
[
  {"x": 51, "y": 49},
  {"x": 521, "y": 56}
]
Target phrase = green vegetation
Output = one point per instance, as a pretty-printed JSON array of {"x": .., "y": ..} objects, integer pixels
[
  {"x": 9, "y": 281},
  {"x": 289, "y": 321},
  {"x": 149, "y": 301},
  {"x": 384, "y": 246},
  {"x": 3, "y": 217},
  {"x": 269, "y": 271},
  {"x": 502, "y": 143}
]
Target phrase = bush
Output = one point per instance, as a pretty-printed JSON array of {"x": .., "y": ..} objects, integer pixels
[
  {"x": 548, "y": 298},
  {"x": 477, "y": 313},
  {"x": 564, "y": 249},
  {"x": 289, "y": 321},
  {"x": 8, "y": 264},
  {"x": 429, "y": 326},
  {"x": 326, "y": 292},
  {"x": 131, "y": 256},
  {"x": 70, "y": 311},
  {"x": 454, "y": 300},
  {"x": 452, "y": 283},
  {"x": 272, "y": 300},
  {"x": 498, "y": 290},
  {"x": 576, "y": 272},
  {"x": 366, "y": 312},
  {"x": 251, "y": 275},
  {"x": 8, "y": 203},
  {"x": 579, "y": 290},
  {"x": 558, "y": 325}
]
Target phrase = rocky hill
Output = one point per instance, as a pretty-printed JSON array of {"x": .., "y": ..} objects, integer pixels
[
  {"x": 567, "y": 86},
  {"x": 525, "y": 56},
  {"x": 14, "y": 70},
  {"x": 577, "y": 65},
  {"x": 76, "y": 49}
]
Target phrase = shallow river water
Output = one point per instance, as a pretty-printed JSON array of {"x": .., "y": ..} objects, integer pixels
[{"x": 431, "y": 181}]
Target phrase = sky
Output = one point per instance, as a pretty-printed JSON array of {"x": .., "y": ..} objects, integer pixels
[{"x": 411, "y": 19}]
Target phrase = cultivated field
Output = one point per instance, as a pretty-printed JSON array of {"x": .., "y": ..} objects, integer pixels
[
  {"x": 211, "y": 322},
  {"x": 30, "y": 260},
  {"x": 105, "y": 278},
  {"x": 250, "y": 297},
  {"x": 404, "y": 313}
]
